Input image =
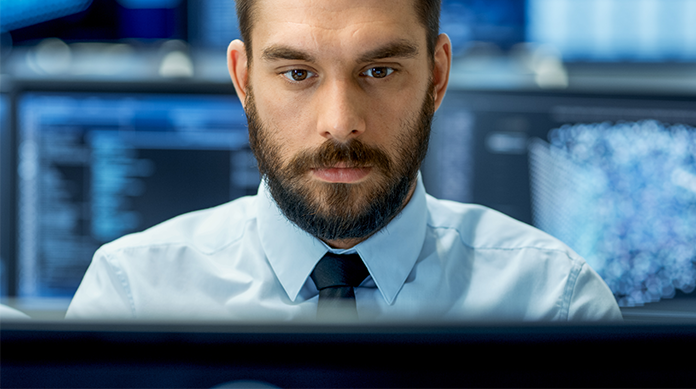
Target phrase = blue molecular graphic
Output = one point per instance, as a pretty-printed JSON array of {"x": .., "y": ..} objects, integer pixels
[{"x": 622, "y": 195}]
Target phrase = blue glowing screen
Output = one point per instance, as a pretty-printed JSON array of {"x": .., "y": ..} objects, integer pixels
[
  {"x": 21, "y": 13},
  {"x": 623, "y": 195},
  {"x": 214, "y": 22},
  {"x": 615, "y": 30},
  {"x": 4, "y": 192},
  {"x": 93, "y": 167},
  {"x": 149, "y": 4},
  {"x": 614, "y": 177}
]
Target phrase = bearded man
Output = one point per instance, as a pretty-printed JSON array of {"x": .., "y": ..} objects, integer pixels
[{"x": 339, "y": 96}]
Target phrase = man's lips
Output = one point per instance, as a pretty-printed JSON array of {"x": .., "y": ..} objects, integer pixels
[{"x": 341, "y": 174}]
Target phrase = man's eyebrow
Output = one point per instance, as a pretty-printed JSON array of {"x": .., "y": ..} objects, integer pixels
[
  {"x": 275, "y": 53},
  {"x": 398, "y": 49}
]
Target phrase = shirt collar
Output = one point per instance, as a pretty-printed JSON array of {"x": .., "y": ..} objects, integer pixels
[{"x": 389, "y": 254}]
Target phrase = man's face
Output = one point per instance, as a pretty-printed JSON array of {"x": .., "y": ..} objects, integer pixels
[{"x": 339, "y": 101}]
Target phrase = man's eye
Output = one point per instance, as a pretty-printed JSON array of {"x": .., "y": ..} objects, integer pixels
[
  {"x": 378, "y": 72},
  {"x": 298, "y": 74}
]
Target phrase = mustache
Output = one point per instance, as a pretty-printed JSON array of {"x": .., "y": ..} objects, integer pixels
[{"x": 352, "y": 154}]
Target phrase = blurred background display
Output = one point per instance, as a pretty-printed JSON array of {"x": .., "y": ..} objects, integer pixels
[
  {"x": 580, "y": 30},
  {"x": 6, "y": 203},
  {"x": 630, "y": 211},
  {"x": 94, "y": 20},
  {"x": 613, "y": 176},
  {"x": 576, "y": 116},
  {"x": 93, "y": 167},
  {"x": 615, "y": 30},
  {"x": 18, "y": 14}
]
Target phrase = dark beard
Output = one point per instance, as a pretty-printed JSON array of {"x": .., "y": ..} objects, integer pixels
[{"x": 336, "y": 211}]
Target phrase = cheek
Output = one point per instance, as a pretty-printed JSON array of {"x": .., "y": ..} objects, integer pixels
[
  {"x": 285, "y": 123},
  {"x": 389, "y": 118}
]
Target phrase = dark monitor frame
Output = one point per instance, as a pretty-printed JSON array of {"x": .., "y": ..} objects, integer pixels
[{"x": 71, "y": 354}]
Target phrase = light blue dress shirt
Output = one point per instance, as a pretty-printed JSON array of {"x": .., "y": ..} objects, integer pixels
[
  {"x": 9, "y": 313},
  {"x": 436, "y": 260}
]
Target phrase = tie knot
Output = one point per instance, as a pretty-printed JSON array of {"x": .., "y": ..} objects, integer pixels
[{"x": 335, "y": 270}]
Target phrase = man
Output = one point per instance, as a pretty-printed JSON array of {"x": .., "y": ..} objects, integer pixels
[{"x": 339, "y": 96}]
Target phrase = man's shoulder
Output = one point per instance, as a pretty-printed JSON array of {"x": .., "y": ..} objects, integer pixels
[
  {"x": 480, "y": 227},
  {"x": 530, "y": 261},
  {"x": 207, "y": 230}
]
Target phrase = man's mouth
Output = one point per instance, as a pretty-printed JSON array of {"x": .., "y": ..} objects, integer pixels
[{"x": 341, "y": 173}]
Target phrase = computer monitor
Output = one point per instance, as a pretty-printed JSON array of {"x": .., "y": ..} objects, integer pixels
[
  {"x": 225, "y": 355},
  {"x": 615, "y": 30},
  {"x": 18, "y": 14},
  {"x": 5, "y": 201},
  {"x": 613, "y": 176},
  {"x": 213, "y": 23},
  {"x": 30, "y": 21},
  {"x": 95, "y": 165}
]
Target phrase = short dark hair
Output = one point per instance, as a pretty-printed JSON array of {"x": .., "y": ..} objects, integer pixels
[{"x": 428, "y": 12}]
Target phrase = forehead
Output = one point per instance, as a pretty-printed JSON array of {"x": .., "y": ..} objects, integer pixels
[{"x": 335, "y": 24}]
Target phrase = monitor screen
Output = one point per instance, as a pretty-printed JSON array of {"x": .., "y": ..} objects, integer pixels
[
  {"x": 213, "y": 23},
  {"x": 614, "y": 177},
  {"x": 5, "y": 201},
  {"x": 498, "y": 22},
  {"x": 16, "y": 14},
  {"x": 92, "y": 167},
  {"x": 30, "y": 21},
  {"x": 615, "y": 30}
]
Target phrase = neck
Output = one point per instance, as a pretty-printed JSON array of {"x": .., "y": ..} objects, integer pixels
[{"x": 352, "y": 242}]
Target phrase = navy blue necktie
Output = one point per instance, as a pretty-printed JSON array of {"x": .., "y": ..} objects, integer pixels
[{"x": 335, "y": 276}]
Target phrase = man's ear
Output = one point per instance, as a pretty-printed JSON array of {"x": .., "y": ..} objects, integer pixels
[
  {"x": 441, "y": 68},
  {"x": 237, "y": 66}
]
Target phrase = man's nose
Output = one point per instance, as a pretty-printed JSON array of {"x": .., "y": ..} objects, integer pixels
[{"x": 341, "y": 111}]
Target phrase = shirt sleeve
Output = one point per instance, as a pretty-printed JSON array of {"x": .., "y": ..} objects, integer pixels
[
  {"x": 11, "y": 313},
  {"x": 592, "y": 299},
  {"x": 104, "y": 292}
]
